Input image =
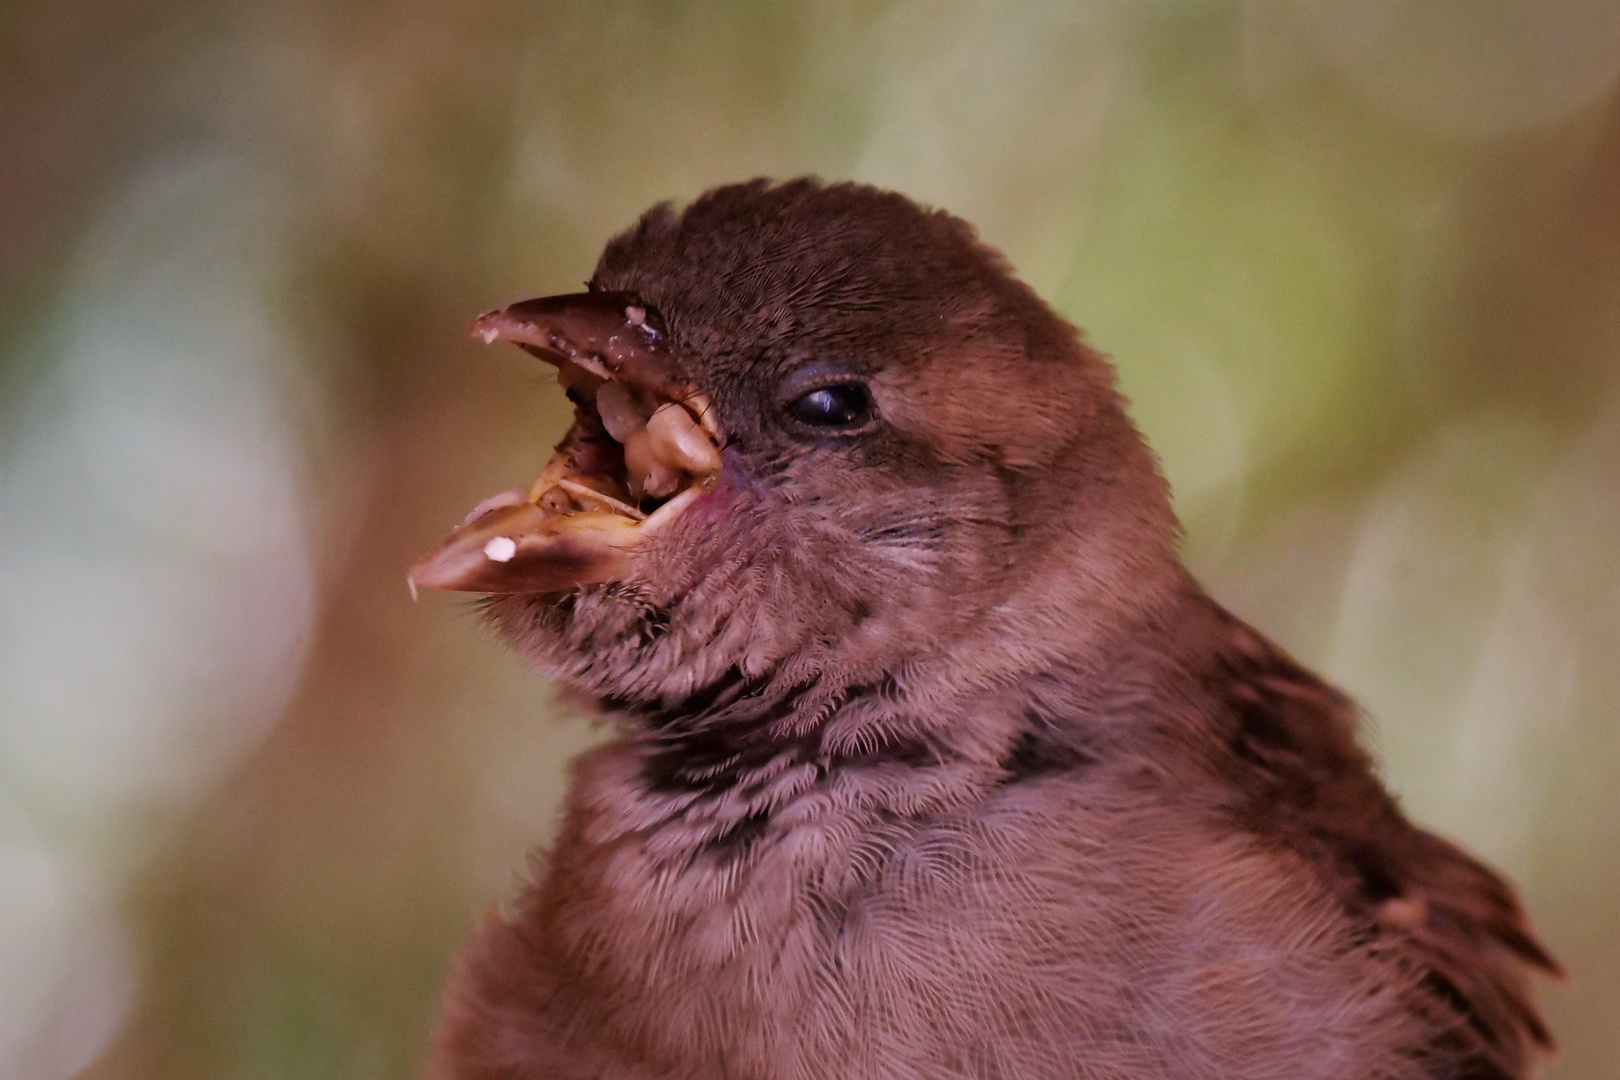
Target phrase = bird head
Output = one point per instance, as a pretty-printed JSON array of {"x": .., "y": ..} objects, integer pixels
[{"x": 823, "y": 439}]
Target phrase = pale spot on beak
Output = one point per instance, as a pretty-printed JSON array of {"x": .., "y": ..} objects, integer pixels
[{"x": 500, "y": 549}]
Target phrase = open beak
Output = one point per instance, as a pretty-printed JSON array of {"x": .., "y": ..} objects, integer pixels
[{"x": 644, "y": 446}]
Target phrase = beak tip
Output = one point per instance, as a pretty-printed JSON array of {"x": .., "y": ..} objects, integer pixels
[{"x": 486, "y": 327}]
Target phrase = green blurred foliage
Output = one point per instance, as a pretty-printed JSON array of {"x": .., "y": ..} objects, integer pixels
[{"x": 1359, "y": 266}]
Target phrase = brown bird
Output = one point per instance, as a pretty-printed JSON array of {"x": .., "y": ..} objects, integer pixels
[{"x": 931, "y": 760}]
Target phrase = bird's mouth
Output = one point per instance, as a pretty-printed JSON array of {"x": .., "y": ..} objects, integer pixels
[{"x": 644, "y": 447}]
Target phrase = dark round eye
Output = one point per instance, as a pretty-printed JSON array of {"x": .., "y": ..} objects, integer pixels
[{"x": 841, "y": 405}]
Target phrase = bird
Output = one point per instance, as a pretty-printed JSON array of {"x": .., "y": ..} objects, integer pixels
[{"x": 929, "y": 758}]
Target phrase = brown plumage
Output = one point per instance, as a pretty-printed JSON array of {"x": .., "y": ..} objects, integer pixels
[{"x": 931, "y": 760}]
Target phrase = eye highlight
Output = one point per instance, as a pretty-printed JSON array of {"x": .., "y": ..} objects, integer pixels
[{"x": 841, "y": 405}]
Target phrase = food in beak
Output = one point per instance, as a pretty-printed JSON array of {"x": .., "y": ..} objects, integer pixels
[{"x": 644, "y": 446}]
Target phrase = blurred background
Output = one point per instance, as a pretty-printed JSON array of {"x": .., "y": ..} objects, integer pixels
[{"x": 1358, "y": 263}]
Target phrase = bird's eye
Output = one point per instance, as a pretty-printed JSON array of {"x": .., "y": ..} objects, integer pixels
[{"x": 842, "y": 405}]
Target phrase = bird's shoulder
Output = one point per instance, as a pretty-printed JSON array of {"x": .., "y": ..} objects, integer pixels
[{"x": 1298, "y": 774}]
